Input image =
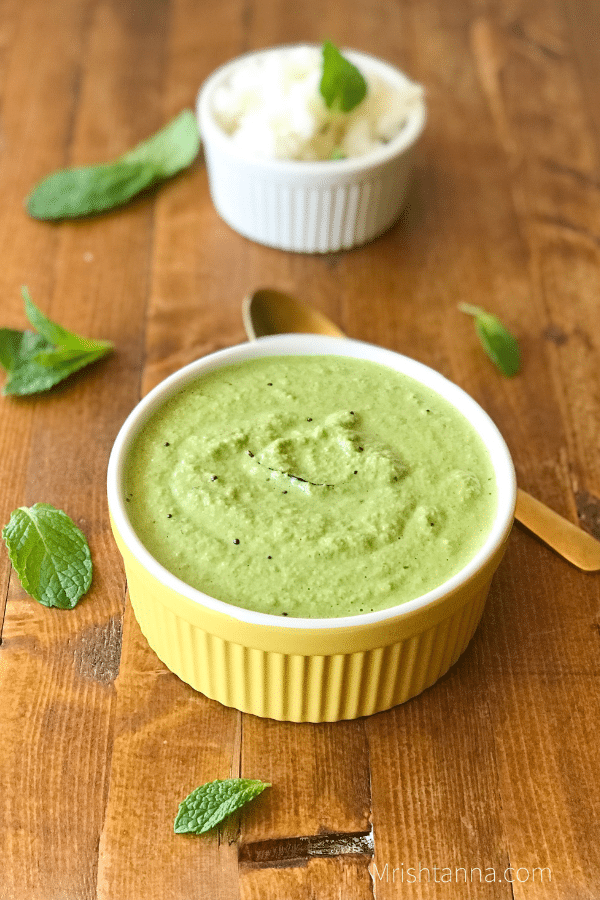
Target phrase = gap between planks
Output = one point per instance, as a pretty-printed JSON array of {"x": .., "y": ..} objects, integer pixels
[{"x": 297, "y": 851}]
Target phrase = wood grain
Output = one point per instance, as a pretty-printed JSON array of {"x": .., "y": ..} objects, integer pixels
[
  {"x": 58, "y": 668},
  {"x": 485, "y": 785}
]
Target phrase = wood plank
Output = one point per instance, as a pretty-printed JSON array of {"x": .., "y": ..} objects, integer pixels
[
  {"x": 60, "y": 782},
  {"x": 559, "y": 212},
  {"x": 346, "y": 878},
  {"x": 28, "y": 655},
  {"x": 199, "y": 264},
  {"x": 168, "y": 740},
  {"x": 319, "y": 775},
  {"x": 547, "y": 647},
  {"x": 436, "y": 809},
  {"x": 29, "y": 144},
  {"x": 543, "y": 697},
  {"x": 583, "y": 20}
]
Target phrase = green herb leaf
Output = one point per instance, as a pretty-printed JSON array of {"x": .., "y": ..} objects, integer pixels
[
  {"x": 50, "y": 555},
  {"x": 500, "y": 345},
  {"x": 37, "y": 361},
  {"x": 55, "y": 334},
  {"x": 341, "y": 82},
  {"x": 86, "y": 190},
  {"x": 211, "y": 803},
  {"x": 18, "y": 345}
]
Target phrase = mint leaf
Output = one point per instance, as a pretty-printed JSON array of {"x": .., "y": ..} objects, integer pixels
[
  {"x": 341, "y": 82},
  {"x": 500, "y": 345},
  {"x": 57, "y": 335},
  {"x": 171, "y": 149},
  {"x": 50, "y": 555},
  {"x": 37, "y": 361},
  {"x": 85, "y": 190},
  {"x": 18, "y": 345},
  {"x": 212, "y": 802},
  {"x": 43, "y": 371}
]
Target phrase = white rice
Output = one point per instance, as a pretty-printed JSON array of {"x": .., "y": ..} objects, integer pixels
[{"x": 271, "y": 107}]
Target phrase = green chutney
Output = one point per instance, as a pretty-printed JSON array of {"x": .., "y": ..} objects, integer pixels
[{"x": 310, "y": 486}]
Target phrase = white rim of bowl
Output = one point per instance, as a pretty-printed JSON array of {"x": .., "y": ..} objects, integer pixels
[
  {"x": 210, "y": 130},
  {"x": 313, "y": 345}
]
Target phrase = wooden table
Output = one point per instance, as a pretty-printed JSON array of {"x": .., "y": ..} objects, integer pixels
[{"x": 497, "y": 765}]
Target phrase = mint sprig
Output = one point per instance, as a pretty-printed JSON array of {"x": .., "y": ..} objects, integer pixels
[
  {"x": 50, "y": 555},
  {"x": 342, "y": 84},
  {"x": 86, "y": 190},
  {"x": 500, "y": 345},
  {"x": 210, "y": 803},
  {"x": 37, "y": 360}
]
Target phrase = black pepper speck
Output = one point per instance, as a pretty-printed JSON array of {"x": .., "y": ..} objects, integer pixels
[{"x": 236, "y": 540}]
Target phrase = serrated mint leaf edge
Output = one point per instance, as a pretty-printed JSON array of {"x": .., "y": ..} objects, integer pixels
[
  {"x": 17, "y": 532},
  {"x": 192, "y": 818}
]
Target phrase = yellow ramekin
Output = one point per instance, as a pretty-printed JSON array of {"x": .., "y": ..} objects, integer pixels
[{"x": 308, "y": 670}]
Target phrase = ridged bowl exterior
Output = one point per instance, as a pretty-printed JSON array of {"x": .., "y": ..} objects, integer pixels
[
  {"x": 312, "y": 217},
  {"x": 257, "y": 673},
  {"x": 309, "y": 207}
]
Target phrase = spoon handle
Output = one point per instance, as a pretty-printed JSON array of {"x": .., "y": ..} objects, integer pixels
[{"x": 576, "y": 545}]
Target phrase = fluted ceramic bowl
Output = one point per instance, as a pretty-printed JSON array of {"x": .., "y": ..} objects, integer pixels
[
  {"x": 308, "y": 669},
  {"x": 305, "y": 206}
]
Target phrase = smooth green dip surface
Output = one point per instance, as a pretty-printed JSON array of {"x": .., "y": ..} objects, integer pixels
[{"x": 311, "y": 486}]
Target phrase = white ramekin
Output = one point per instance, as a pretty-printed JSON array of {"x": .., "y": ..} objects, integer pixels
[
  {"x": 309, "y": 207},
  {"x": 308, "y": 669}
]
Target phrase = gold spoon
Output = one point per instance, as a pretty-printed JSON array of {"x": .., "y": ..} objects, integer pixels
[{"x": 268, "y": 311}]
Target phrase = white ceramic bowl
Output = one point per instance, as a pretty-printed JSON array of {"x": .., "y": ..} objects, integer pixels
[
  {"x": 308, "y": 669},
  {"x": 309, "y": 206}
]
